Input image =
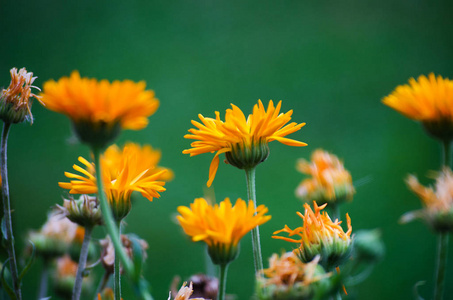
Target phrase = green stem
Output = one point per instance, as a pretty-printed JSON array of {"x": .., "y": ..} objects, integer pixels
[
  {"x": 222, "y": 281},
  {"x": 77, "y": 290},
  {"x": 441, "y": 265},
  {"x": 108, "y": 217},
  {"x": 117, "y": 270},
  {"x": 43, "y": 282},
  {"x": 9, "y": 238},
  {"x": 251, "y": 193},
  {"x": 103, "y": 283},
  {"x": 446, "y": 153}
]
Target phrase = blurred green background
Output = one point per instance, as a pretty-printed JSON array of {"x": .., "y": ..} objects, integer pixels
[{"x": 329, "y": 61}]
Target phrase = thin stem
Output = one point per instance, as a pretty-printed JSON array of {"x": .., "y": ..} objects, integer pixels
[
  {"x": 9, "y": 238},
  {"x": 77, "y": 290},
  {"x": 251, "y": 193},
  {"x": 103, "y": 283},
  {"x": 441, "y": 265},
  {"x": 446, "y": 153},
  {"x": 222, "y": 281},
  {"x": 108, "y": 218},
  {"x": 43, "y": 282},
  {"x": 117, "y": 270}
]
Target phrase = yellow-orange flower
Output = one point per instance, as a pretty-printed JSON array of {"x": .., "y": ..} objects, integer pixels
[
  {"x": 329, "y": 182},
  {"x": 427, "y": 99},
  {"x": 438, "y": 201},
  {"x": 319, "y": 235},
  {"x": 221, "y": 226},
  {"x": 124, "y": 171},
  {"x": 243, "y": 140},
  {"x": 15, "y": 103},
  {"x": 99, "y": 109}
]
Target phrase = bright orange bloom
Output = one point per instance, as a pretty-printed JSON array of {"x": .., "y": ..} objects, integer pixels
[
  {"x": 318, "y": 234},
  {"x": 243, "y": 140},
  {"x": 101, "y": 102},
  {"x": 222, "y": 223},
  {"x": 329, "y": 181},
  {"x": 425, "y": 99},
  {"x": 124, "y": 171}
]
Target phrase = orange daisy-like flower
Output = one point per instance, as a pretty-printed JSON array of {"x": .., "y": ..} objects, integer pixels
[
  {"x": 427, "y": 99},
  {"x": 319, "y": 236},
  {"x": 15, "y": 103},
  {"x": 243, "y": 140},
  {"x": 99, "y": 109},
  {"x": 124, "y": 171},
  {"x": 221, "y": 226},
  {"x": 329, "y": 182},
  {"x": 438, "y": 201}
]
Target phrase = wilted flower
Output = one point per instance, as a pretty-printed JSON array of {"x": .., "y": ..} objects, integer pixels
[
  {"x": 108, "y": 251},
  {"x": 330, "y": 182},
  {"x": 428, "y": 100},
  {"x": 84, "y": 211},
  {"x": 204, "y": 287},
  {"x": 221, "y": 226},
  {"x": 244, "y": 141},
  {"x": 438, "y": 202},
  {"x": 100, "y": 109},
  {"x": 289, "y": 278},
  {"x": 320, "y": 236},
  {"x": 15, "y": 101},
  {"x": 184, "y": 293},
  {"x": 124, "y": 171}
]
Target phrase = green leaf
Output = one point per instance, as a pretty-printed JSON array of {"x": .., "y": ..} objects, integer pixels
[
  {"x": 5, "y": 284},
  {"x": 29, "y": 263}
]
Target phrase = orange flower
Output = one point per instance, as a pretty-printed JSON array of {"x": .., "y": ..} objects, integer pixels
[{"x": 243, "y": 140}]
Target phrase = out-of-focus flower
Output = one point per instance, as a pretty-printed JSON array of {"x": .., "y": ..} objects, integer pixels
[
  {"x": 57, "y": 236},
  {"x": 437, "y": 201},
  {"x": 221, "y": 226},
  {"x": 84, "y": 211},
  {"x": 204, "y": 287},
  {"x": 243, "y": 140},
  {"x": 330, "y": 182},
  {"x": 124, "y": 171},
  {"x": 15, "y": 101},
  {"x": 107, "y": 294},
  {"x": 320, "y": 236},
  {"x": 100, "y": 109},
  {"x": 108, "y": 251},
  {"x": 64, "y": 277},
  {"x": 428, "y": 100},
  {"x": 289, "y": 278},
  {"x": 184, "y": 293}
]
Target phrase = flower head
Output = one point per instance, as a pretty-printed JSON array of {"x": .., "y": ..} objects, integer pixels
[
  {"x": 329, "y": 182},
  {"x": 428, "y": 100},
  {"x": 185, "y": 292},
  {"x": 126, "y": 170},
  {"x": 99, "y": 109},
  {"x": 289, "y": 278},
  {"x": 64, "y": 277},
  {"x": 438, "y": 201},
  {"x": 221, "y": 226},
  {"x": 320, "y": 236},
  {"x": 243, "y": 140},
  {"x": 15, "y": 103},
  {"x": 84, "y": 211}
]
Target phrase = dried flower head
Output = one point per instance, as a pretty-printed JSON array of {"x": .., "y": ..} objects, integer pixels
[
  {"x": 329, "y": 182},
  {"x": 243, "y": 140},
  {"x": 100, "y": 109},
  {"x": 320, "y": 236},
  {"x": 437, "y": 201},
  {"x": 221, "y": 226},
  {"x": 15, "y": 101},
  {"x": 124, "y": 171},
  {"x": 428, "y": 100},
  {"x": 184, "y": 293}
]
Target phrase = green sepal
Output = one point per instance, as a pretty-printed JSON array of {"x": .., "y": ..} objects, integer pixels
[
  {"x": 29, "y": 263},
  {"x": 5, "y": 284}
]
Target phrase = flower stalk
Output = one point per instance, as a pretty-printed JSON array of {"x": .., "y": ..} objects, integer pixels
[
  {"x": 117, "y": 268},
  {"x": 251, "y": 194},
  {"x": 222, "y": 281},
  {"x": 441, "y": 267},
  {"x": 108, "y": 217},
  {"x": 9, "y": 238},
  {"x": 76, "y": 292},
  {"x": 43, "y": 282}
]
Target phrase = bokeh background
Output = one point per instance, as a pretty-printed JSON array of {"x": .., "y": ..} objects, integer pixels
[{"x": 329, "y": 61}]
